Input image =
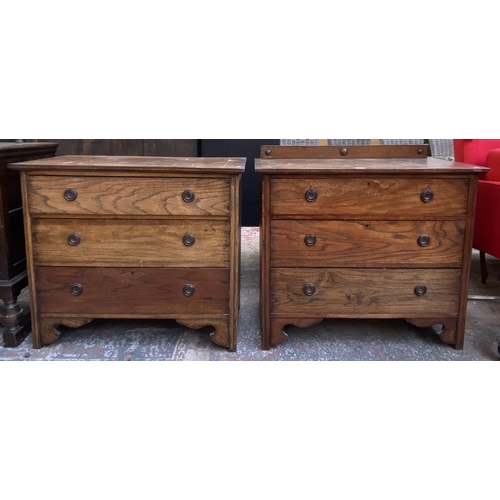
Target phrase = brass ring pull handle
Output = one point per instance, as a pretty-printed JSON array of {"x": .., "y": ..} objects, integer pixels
[
  {"x": 188, "y": 239},
  {"x": 188, "y": 290},
  {"x": 420, "y": 290},
  {"x": 310, "y": 240},
  {"x": 70, "y": 194},
  {"x": 426, "y": 195},
  {"x": 309, "y": 289},
  {"x": 311, "y": 195},
  {"x": 74, "y": 239},
  {"x": 188, "y": 196},
  {"x": 76, "y": 289},
  {"x": 423, "y": 240}
]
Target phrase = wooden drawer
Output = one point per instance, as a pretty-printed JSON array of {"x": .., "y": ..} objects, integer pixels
[
  {"x": 117, "y": 243},
  {"x": 126, "y": 291},
  {"x": 379, "y": 196},
  {"x": 313, "y": 243},
  {"x": 365, "y": 292},
  {"x": 128, "y": 196}
]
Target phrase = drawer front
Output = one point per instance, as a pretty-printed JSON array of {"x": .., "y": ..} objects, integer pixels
[
  {"x": 386, "y": 293},
  {"x": 312, "y": 243},
  {"x": 141, "y": 243},
  {"x": 406, "y": 198},
  {"x": 114, "y": 291},
  {"x": 128, "y": 196}
]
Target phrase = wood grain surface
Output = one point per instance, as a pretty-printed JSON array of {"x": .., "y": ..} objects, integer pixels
[
  {"x": 157, "y": 164},
  {"x": 358, "y": 151},
  {"x": 131, "y": 290},
  {"x": 116, "y": 243},
  {"x": 373, "y": 197},
  {"x": 363, "y": 293},
  {"x": 128, "y": 196},
  {"x": 366, "y": 166},
  {"x": 366, "y": 243}
]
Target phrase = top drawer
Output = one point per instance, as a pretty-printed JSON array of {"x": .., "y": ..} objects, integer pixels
[
  {"x": 402, "y": 197},
  {"x": 128, "y": 196}
]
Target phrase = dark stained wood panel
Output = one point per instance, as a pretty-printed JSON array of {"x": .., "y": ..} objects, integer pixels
[
  {"x": 328, "y": 152},
  {"x": 122, "y": 147},
  {"x": 135, "y": 290}
]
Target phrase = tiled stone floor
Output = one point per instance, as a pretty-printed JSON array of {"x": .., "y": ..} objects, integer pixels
[{"x": 333, "y": 339}]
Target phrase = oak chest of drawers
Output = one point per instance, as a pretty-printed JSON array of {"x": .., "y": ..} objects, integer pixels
[
  {"x": 13, "y": 273},
  {"x": 366, "y": 238},
  {"x": 133, "y": 237}
]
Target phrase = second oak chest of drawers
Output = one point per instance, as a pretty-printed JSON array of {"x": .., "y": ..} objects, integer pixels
[
  {"x": 133, "y": 237},
  {"x": 366, "y": 238}
]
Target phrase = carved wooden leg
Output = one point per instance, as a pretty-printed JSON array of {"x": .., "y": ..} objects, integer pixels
[
  {"x": 224, "y": 335},
  {"x": 278, "y": 334},
  {"x": 17, "y": 325},
  {"x": 449, "y": 333},
  {"x": 46, "y": 332}
]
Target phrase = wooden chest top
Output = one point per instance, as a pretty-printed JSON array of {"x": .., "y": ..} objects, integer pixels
[
  {"x": 413, "y": 166},
  {"x": 157, "y": 164}
]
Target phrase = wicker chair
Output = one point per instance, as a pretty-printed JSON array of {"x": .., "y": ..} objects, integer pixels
[
  {"x": 396, "y": 142},
  {"x": 442, "y": 149},
  {"x": 331, "y": 142},
  {"x": 299, "y": 142},
  {"x": 349, "y": 142}
]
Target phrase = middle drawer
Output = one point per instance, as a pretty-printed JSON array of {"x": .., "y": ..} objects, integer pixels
[
  {"x": 313, "y": 243},
  {"x": 116, "y": 243}
]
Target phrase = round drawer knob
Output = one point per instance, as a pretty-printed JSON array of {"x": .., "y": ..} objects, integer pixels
[
  {"x": 423, "y": 240},
  {"x": 74, "y": 239},
  {"x": 310, "y": 240},
  {"x": 188, "y": 196},
  {"x": 343, "y": 151},
  {"x": 188, "y": 290},
  {"x": 420, "y": 151},
  {"x": 70, "y": 194},
  {"x": 420, "y": 290},
  {"x": 188, "y": 239},
  {"x": 427, "y": 195},
  {"x": 309, "y": 289},
  {"x": 311, "y": 195},
  {"x": 76, "y": 289},
  {"x": 268, "y": 152}
]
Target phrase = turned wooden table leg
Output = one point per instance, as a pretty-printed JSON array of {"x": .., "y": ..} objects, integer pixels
[{"x": 16, "y": 326}]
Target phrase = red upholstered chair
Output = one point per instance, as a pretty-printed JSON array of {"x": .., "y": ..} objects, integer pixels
[{"x": 484, "y": 152}]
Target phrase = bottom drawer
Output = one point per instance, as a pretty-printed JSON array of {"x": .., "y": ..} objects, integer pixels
[
  {"x": 382, "y": 293},
  {"x": 122, "y": 291}
]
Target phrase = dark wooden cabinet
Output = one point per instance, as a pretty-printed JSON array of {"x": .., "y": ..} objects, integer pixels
[
  {"x": 127, "y": 147},
  {"x": 13, "y": 274}
]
